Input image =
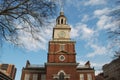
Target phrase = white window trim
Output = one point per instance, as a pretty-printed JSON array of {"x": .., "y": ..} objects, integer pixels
[
  {"x": 81, "y": 76},
  {"x": 89, "y": 77},
  {"x": 27, "y": 77},
  {"x": 35, "y": 76}
]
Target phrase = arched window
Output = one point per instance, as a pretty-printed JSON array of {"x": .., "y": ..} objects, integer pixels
[
  {"x": 61, "y": 21},
  {"x": 61, "y": 76},
  {"x": 58, "y": 21}
]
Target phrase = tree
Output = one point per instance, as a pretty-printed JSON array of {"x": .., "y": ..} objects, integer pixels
[
  {"x": 32, "y": 13},
  {"x": 115, "y": 33},
  {"x": 117, "y": 54}
]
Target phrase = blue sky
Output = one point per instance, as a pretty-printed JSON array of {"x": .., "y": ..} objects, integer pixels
[{"x": 89, "y": 21}]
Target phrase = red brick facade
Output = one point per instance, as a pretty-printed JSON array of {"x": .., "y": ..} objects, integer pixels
[
  {"x": 55, "y": 69},
  {"x": 55, "y": 52},
  {"x": 9, "y": 70}
]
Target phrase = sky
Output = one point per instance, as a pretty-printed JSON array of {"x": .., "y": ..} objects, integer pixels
[{"x": 89, "y": 22}]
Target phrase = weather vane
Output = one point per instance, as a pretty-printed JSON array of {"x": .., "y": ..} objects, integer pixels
[{"x": 61, "y": 5}]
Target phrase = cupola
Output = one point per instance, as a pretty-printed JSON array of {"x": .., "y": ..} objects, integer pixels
[{"x": 61, "y": 19}]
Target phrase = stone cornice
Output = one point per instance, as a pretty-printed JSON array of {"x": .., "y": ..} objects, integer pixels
[
  {"x": 61, "y": 64},
  {"x": 85, "y": 71},
  {"x": 62, "y": 26},
  {"x": 68, "y": 53},
  {"x": 60, "y": 41},
  {"x": 32, "y": 70}
]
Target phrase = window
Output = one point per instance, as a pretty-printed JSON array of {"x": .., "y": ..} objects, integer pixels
[
  {"x": 61, "y": 58},
  {"x": 81, "y": 76},
  {"x": 62, "y": 47},
  {"x": 61, "y": 21},
  {"x": 61, "y": 76},
  {"x": 27, "y": 77},
  {"x": 58, "y": 21},
  {"x": 43, "y": 77},
  {"x": 4, "y": 66},
  {"x": 89, "y": 77},
  {"x": 35, "y": 76}
]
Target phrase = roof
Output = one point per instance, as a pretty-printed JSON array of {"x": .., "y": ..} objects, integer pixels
[
  {"x": 4, "y": 76},
  {"x": 35, "y": 66},
  {"x": 116, "y": 61}
]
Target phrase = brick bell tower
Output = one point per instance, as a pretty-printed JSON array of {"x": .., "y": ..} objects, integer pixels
[{"x": 61, "y": 64}]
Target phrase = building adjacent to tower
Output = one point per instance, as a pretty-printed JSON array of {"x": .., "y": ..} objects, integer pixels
[
  {"x": 7, "y": 71},
  {"x": 111, "y": 70},
  {"x": 61, "y": 60}
]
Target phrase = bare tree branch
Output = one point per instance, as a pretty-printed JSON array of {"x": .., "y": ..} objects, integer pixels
[
  {"x": 33, "y": 13},
  {"x": 115, "y": 34}
]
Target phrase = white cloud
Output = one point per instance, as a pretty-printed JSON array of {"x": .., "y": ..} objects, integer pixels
[
  {"x": 97, "y": 50},
  {"x": 75, "y": 32},
  {"x": 104, "y": 11},
  {"x": 91, "y": 37},
  {"x": 37, "y": 40},
  {"x": 78, "y": 3},
  {"x": 30, "y": 43},
  {"x": 82, "y": 31},
  {"x": 87, "y": 33},
  {"x": 104, "y": 21},
  {"x": 75, "y": 3},
  {"x": 95, "y": 2},
  {"x": 85, "y": 18}
]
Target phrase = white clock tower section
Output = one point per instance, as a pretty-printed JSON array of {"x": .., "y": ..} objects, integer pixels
[{"x": 62, "y": 30}]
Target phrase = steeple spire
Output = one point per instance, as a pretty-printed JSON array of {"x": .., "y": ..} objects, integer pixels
[{"x": 61, "y": 5}]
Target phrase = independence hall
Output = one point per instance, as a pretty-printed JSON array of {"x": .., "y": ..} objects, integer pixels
[{"x": 61, "y": 59}]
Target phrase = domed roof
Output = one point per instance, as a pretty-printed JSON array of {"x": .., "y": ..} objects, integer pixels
[
  {"x": 61, "y": 15},
  {"x": 61, "y": 19}
]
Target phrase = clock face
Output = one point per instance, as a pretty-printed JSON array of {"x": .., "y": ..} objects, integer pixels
[
  {"x": 61, "y": 58},
  {"x": 61, "y": 34}
]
